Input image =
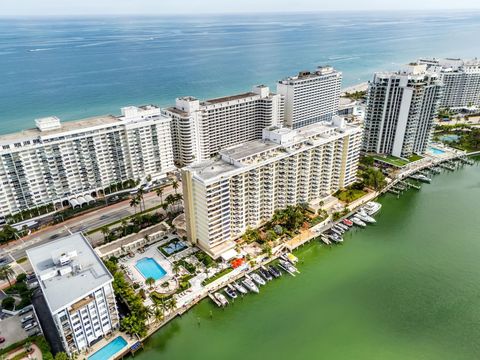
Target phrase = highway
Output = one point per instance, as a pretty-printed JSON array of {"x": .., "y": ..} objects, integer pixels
[{"x": 82, "y": 223}]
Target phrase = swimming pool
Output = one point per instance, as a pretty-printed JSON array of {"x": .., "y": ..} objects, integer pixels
[
  {"x": 436, "y": 151},
  {"x": 148, "y": 267},
  {"x": 110, "y": 349}
]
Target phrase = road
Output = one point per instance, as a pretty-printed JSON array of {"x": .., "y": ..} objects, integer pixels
[{"x": 82, "y": 223}]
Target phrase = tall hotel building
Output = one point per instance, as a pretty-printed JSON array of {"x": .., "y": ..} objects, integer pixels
[
  {"x": 243, "y": 188},
  {"x": 311, "y": 97},
  {"x": 71, "y": 162},
  {"x": 201, "y": 129},
  {"x": 461, "y": 81},
  {"x": 78, "y": 291},
  {"x": 401, "y": 107}
]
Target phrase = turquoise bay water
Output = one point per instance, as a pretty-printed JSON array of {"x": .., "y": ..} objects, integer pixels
[
  {"x": 405, "y": 288},
  {"x": 75, "y": 68}
]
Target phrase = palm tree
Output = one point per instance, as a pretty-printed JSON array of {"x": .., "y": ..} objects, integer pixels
[
  {"x": 176, "y": 268},
  {"x": 6, "y": 272},
  {"x": 157, "y": 313},
  {"x": 134, "y": 203},
  {"x": 105, "y": 231},
  {"x": 150, "y": 281},
  {"x": 175, "y": 185},
  {"x": 159, "y": 192},
  {"x": 124, "y": 227},
  {"x": 140, "y": 194}
]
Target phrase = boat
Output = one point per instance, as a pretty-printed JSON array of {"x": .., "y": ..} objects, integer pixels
[
  {"x": 257, "y": 278},
  {"x": 292, "y": 258},
  {"x": 265, "y": 273},
  {"x": 336, "y": 232},
  {"x": 421, "y": 177},
  {"x": 339, "y": 228},
  {"x": 221, "y": 299},
  {"x": 337, "y": 239},
  {"x": 372, "y": 207},
  {"x": 357, "y": 221},
  {"x": 287, "y": 266},
  {"x": 231, "y": 293},
  {"x": 325, "y": 239},
  {"x": 240, "y": 288},
  {"x": 342, "y": 226},
  {"x": 347, "y": 222},
  {"x": 272, "y": 269},
  {"x": 250, "y": 285},
  {"x": 364, "y": 217}
]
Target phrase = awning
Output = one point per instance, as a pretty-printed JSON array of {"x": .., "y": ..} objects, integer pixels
[
  {"x": 73, "y": 203},
  {"x": 81, "y": 200},
  {"x": 229, "y": 255}
]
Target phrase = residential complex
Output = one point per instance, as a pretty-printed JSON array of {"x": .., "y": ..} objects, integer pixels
[
  {"x": 201, "y": 129},
  {"x": 311, "y": 97},
  {"x": 70, "y": 163},
  {"x": 461, "y": 81},
  {"x": 78, "y": 291},
  {"x": 248, "y": 182},
  {"x": 400, "y": 110}
]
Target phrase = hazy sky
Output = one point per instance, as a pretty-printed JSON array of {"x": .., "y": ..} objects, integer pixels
[{"x": 100, "y": 7}]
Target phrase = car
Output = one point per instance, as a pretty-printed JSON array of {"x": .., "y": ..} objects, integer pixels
[
  {"x": 30, "y": 325},
  {"x": 2, "y": 339},
  {"x": 27, "y": 318},
  {"x": 34, "y": 332},
  {"x": 25, "y": 310}
]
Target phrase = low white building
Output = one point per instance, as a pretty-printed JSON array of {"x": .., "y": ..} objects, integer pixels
[
  {"x": 69, "y": 163},
  {"x": 243, "y": 188},
  {"x": 78, "y": 291}
]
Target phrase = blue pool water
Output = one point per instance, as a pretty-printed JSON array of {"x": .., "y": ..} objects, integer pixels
[
  {"x": 436, "y": 151},
  {"x": 110, "y": 349},
  {"x": 148, "y": 267}
]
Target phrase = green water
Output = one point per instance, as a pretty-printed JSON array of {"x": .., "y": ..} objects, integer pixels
[{"x": 405, "y": 288}]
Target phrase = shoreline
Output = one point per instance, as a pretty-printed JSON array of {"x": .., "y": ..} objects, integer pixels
[{"x": 221, "y": 282}]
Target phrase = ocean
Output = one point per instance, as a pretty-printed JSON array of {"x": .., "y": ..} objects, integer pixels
[{"x": 80, "y": 67}]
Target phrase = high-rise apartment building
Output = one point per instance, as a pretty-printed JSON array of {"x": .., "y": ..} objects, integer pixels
[
  {"x": 461, "y": 81},
  {"x": 311, "y": 97},
  {"x": 78, "y": 291},
  {"x": 243, "y": 188},
  {"x": 201, "y": 129},
  {"x": 69, "y": 163},
  {"x": 401, "y": 107}
]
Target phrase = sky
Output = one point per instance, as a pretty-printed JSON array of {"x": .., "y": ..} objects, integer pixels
[{"x": 164, "y": 7}]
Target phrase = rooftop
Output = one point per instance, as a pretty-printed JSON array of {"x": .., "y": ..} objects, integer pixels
[
  {"x": 68, "y": 270},
  {"x": 229, "y": 98},
  {"x": 65, "y": 127}
]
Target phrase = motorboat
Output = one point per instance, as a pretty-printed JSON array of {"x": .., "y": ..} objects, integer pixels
[
  {"x": 372, "y": 207},
  {"x": 272, "y": 269},
  {"x": 337, "y": 239},
  {"x": 342, "y": 226},
  {"x": 358, "y": 221},
  {"x": 336, "y": 231},
  {"x": 250, "y": 285},
  {"x": 292, "y": 258},
  {"x": 347, "y": 222},
  {"x": 221, "y": 299},
  {"x": 421, "y": 177},
  {"x": 240, "y": 288},
  {"x": 231, "y": 293},
  {"x": 258, "y": 279},
  {"x": 364, "y": 217},
  {"x": 287, "y": 266},
  {"x": 265, "y": 273}
]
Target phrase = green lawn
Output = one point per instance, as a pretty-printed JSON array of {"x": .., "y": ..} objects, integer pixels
[
  {"x": 415, "y": 157},
  {"x": 350, "y": 195},
  {"x": 392, "y": 160}
]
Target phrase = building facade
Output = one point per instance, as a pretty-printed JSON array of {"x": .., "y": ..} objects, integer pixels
[
  {"x": 311, "y": 97},
  {"x": 401, "y": 107},
  {"x": 201, "y": 129},
  {"x": 461, "y": 81},
  {"x": 69, "y": 163},
  {"x": 243, "y": 188},
  {"x": 78, "y": 291}
]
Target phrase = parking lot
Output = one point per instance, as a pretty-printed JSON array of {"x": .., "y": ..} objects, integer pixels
[{"x": 12, "y": 329}]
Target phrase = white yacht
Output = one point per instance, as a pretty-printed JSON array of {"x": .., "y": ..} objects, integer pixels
[
  {"x": 372, "y": 207},
  {"x": 357, "y": 221},
  {"x": 240, "y": 288},
  {"x": 257, "y": 278},
  {"x": 362, "y": 215},
  {"x": 250, "y": 285},
  {"x": 221, "y": 299}
]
